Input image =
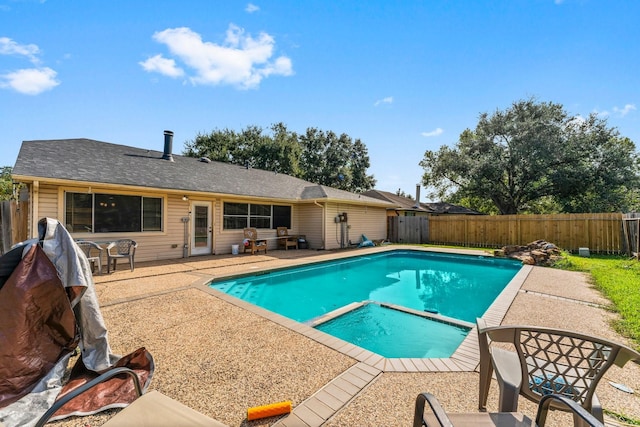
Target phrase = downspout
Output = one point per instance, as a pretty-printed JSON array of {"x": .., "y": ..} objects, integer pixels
[
  {"x": 35, "y": 211},
  {"x": 324, "y": 225}
]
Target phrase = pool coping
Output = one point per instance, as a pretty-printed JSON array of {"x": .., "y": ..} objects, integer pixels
[{"x": 332, "y": 397}]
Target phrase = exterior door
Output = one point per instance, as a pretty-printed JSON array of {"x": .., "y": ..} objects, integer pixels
[{"x": 201, "y": 228}]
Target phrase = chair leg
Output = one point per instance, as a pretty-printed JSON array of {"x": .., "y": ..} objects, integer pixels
[
  {"x": 508, "y": 397},
  {"x": 486, "y": 366},
  {"x": 486, "y": 369},
  {"x": 131, "y": 263}
]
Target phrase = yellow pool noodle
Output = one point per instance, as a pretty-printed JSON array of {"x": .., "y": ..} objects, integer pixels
[{"x": 270, "y": 410}]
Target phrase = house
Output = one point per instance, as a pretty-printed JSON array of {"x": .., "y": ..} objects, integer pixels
[
  {"x": 176, "y": 206},
  {"x": 404, "y": 206}
]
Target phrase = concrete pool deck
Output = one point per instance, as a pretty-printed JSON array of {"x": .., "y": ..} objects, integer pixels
[{"x": 221, "y": 356}]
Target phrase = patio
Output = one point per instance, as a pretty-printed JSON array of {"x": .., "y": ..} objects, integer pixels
[{"x": 221, "y": 359}]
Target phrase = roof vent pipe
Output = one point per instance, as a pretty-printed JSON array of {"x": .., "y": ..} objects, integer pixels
[
  {"x": 417, "y": 205},
  {"x": 168, "y": 146}
]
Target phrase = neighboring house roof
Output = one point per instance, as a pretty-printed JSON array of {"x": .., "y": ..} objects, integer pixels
[
  {"x": 405, "y": 203},
  {"x": 399, "y": 202},
  {"x": 448, "y": 208},
  {"x": 90, "y": 161}
]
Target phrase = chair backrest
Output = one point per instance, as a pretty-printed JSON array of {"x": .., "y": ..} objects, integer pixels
[
  {"x": 282, "y": 231},
  {"x": 555, "y": 361},
  {"x": 250, "y": 233},
  {"x": 86, "y": 247},
  {"x": 125, "y": 246}
]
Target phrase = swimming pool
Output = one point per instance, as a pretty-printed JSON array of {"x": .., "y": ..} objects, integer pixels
[{"x": 457, "y": 288}]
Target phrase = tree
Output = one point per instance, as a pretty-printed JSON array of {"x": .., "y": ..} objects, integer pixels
[
  {"x": 534, "y": 157},
  {"x": 219, "y": 145},
  {"x": 359, "y": 164},
  {"x": 316, "y": 156},
  {"x": 6, "y": 184},
  {"x": 401, "y": 193},
  {"x": 607, "y": 173}
]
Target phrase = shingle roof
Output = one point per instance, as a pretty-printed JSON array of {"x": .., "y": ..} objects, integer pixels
[
  {"x": 91, "y": 161},
  {"x": 448, "y": 208},
  {"x": 398, "y": 201},
  {"x": 406, "y": 203}
]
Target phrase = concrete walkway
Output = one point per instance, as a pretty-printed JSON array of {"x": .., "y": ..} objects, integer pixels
[{"x": 221, "y": 356}]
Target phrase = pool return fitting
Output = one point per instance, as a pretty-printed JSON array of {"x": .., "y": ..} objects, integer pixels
[{"x": 270, "y": 410}]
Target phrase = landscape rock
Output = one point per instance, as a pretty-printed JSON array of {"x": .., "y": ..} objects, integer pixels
[{"x": 539, "y": 252}]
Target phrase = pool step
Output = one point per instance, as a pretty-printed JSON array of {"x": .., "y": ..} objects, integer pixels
[
  {"x": 335, "y": 313},
  {"x": 355, "y": 305},
  {"x": 432, "y": 316}
]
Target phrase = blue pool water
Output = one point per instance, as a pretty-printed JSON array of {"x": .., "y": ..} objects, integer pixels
[
  {"x": 457, "y": 286},
  {"x": 376, "y": 328}
]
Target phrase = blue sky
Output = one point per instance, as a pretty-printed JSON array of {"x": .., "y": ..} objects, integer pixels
[{"x": 403, "y": 76}]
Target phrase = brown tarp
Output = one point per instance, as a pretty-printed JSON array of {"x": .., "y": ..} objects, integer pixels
[
  {"x": 37, "y": 325},
  {"x": 48, "y": 308},
  {"x": 116, "y": 392}
]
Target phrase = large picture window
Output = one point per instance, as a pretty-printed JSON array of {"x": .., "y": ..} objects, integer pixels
[
  {"x": 237, "y": 216},
  {"x": 112, "y": 213}
]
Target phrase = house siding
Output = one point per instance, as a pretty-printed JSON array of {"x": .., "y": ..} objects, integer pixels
[
  {"x": 48, "y": 206},
  {"x": 310, "y": 219},
  {"x": 223, "y": 239},
  {"x": 167, "y": 244},
  {"x": 370, "y": 221},
  {"x": 306, "y": 219}
]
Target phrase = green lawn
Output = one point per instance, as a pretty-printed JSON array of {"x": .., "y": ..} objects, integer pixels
[{"x": 619, "y": 280}]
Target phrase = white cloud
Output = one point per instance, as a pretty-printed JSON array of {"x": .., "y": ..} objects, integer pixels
[
  {"x": 163, "y": 66},
  {"x": 28, "y": 81},
  {"x": 578, "y": 120},
  {"x": 436, "y": 132},
  {"x": 10, "y": 47},
  {"x": 32, "y": 81},
  {"x": 251, "y": 8},
  {"x": 625, "y": 110},
  {"x": 387, "y": 100},
  {"x": 241, "y": 60}
]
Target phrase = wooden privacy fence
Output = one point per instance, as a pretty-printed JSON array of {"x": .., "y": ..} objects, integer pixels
[
  {"x": 601, "y": 233},
  {"x": 13, "y": 223},
  {"x": 408, "y": 229},
  {"x": 631, "y": 228}
]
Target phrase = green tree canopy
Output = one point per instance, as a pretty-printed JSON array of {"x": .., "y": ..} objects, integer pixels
[
  {"x": 6, "y": 184},
  {"x": 534, "y": 157},
  {"x": 316, "y": 156}
]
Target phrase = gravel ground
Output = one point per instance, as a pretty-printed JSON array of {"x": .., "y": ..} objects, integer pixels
[{"x": 221, "y": 360}]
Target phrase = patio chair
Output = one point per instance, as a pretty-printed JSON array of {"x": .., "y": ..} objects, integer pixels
[
  {"x": 93, "y": 252},
  {"x": 252, "y": 243},
  {"x": 546, "y": 361},
  {"x": 436, "y": 415},
  {"x": 284, "y": 240},
  {"x": 123, "y": 248}
]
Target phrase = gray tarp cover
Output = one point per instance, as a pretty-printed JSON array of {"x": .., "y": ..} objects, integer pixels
[{"x": 74, "y": 273}]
